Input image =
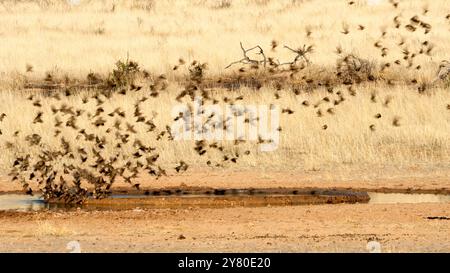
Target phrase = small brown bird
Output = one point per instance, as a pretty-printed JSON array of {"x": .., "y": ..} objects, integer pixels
[
  {"x": 385, "y": 65},
  {"x": 28, "y": 190},
  {"x": 345, "y": 29},
  {"x": 274, "y": 45},
  {"x": 38, "y": 118},
  {"x": 319, "y": 113},
  {"x": 58, "y": 122},
  {"x": 387, "y": 100},
  {"x": 308, "y": 31},
  {"x": 415, "y": 20},
  {"x": 372, "y": 127},
  {"x": 48, "y": 77},
  {"x": 410, "y": 28},
  {"x": 99, "y": 111},
  {"x": 422, "y": 88},
  {"x": 29, "y": 68},
  {"x": 99, "y": 122},
  {"x": 378, "y": 116},
  {"x": 397, "y": 21},
  {"x": 396, "y": 122},
  {"x": 395, "y": 4},
  {"x": 130, "y": 128},
  {"x": 351, "y": 91}
]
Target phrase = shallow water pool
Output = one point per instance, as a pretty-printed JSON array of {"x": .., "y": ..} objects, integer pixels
[{"x": 19, "y": 202}]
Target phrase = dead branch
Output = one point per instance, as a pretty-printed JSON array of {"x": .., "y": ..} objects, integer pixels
[
  {"x": 247, "y": 60},
  {"x": 301, "y": 54}
]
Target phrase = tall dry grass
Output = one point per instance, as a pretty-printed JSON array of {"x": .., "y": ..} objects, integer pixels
[
  {"x": 53, "y": 36},
  {"x": 421, "y": 138}
]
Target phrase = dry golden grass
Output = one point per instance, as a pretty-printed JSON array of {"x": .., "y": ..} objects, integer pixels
[
  {"x": 363, "y": 131},
  {"x": 421, "y": 138},
  {"x": 53, "y": 36}
]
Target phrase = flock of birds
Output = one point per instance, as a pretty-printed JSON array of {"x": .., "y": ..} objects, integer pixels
[{"x": 61, "y": 172}]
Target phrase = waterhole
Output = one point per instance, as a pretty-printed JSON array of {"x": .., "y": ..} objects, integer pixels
[{"x": 19, "y": 202}]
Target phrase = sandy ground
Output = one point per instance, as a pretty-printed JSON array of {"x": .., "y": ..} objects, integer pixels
[
  {"x": 335, "y": 228},
  {"x": 311, "y": 228}
]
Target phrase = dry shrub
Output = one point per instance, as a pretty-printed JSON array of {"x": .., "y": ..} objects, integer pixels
[
  {"x": 147, "y": 5},
  {"x": 222, "y": 4},
  {"x": 444, "y": 73},
  {"x": 124, "y": 75},
  {"x": 353, "y": 69}
]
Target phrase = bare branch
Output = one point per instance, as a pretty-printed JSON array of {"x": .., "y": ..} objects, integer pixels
[
  {"x": 301, "y": 53},
  {"x": 247, "y": 60}
]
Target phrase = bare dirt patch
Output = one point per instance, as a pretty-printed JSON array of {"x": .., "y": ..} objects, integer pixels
[{"x": 340, "y": 228}]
